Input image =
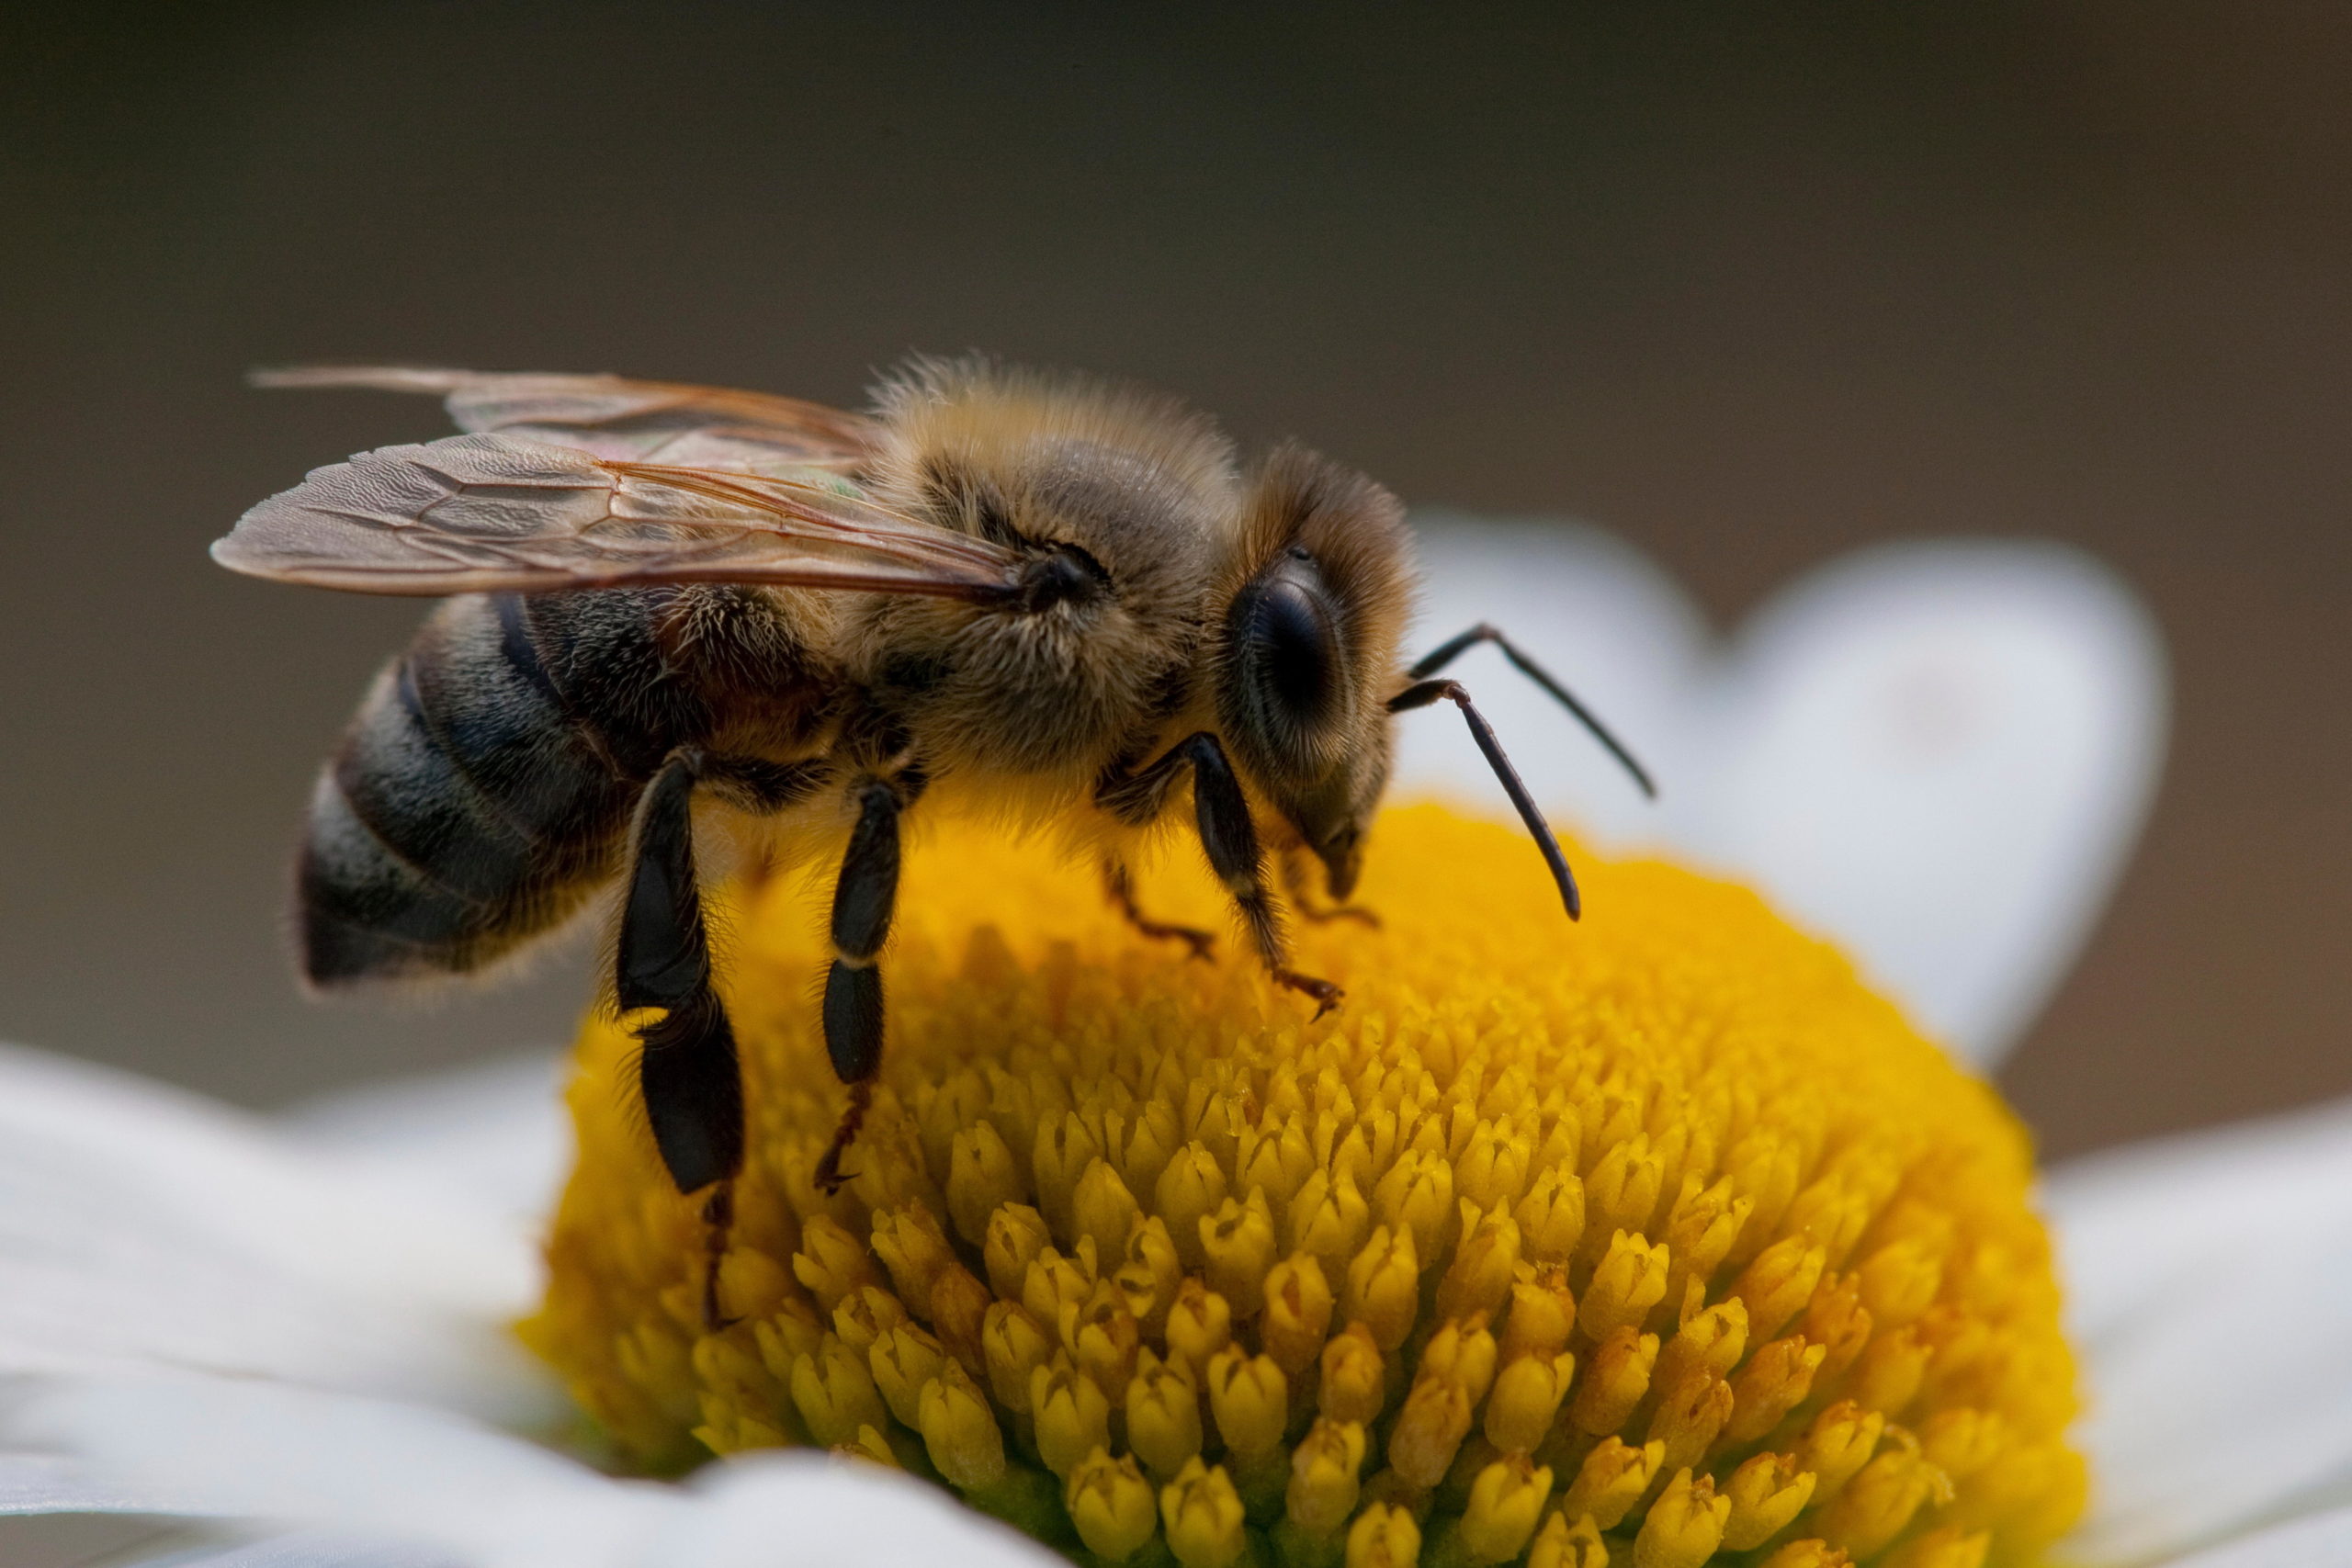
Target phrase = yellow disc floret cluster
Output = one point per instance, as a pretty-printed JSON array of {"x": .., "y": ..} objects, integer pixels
[{"x": 1656, "y": 1240}]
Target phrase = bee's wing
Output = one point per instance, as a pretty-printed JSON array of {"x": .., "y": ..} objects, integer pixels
[
  {"x": 470, "y": 513},
  {"x": 639, "y": 421}
]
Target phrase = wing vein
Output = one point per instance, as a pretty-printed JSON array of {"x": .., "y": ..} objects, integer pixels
[{"x": 488, "y": 511}]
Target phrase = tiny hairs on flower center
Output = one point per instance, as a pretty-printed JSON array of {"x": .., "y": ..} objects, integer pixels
[{"x": 1659, "y": 1240}]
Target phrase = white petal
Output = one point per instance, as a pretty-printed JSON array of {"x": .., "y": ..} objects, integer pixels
[
  {"x": 308, "y": 1549},
  {"x": 2320, "y": 1540},
  {"x": 765, "y": 1510},
  {"x": 490, "y": 1134},
  {"x": 363, "y": 1469},
  {"x": 1607, "y": 624},
  {"x": 1936, "y": 754},
  {"x": 140, "y": 1227},
  {"x": 2208, "y": 1282},
  {"x": 54, "y": 1483},
  {"x": 355, "y": 1471},
  {"x": 1939, "y": 754}
]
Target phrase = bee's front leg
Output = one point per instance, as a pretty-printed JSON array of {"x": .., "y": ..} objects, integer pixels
[
  {"x": 1230, "y": 840},
  {"x": 1119, "y": 883},
  {"x": 864, "y": 898},
  {"x": 1298, "y": 881}
]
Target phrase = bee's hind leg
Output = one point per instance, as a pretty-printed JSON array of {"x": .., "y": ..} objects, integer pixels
[
  {"x": 1120, "y": 884},
  {"x": 687, "y": 1069},
  {"x": 864, "y": 898}
]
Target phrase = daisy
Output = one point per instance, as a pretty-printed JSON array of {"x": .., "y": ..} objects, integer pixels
[{"x": 1937, "y": 756}]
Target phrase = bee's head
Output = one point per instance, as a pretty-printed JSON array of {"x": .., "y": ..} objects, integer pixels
[{"x": 1307, "y": 656}]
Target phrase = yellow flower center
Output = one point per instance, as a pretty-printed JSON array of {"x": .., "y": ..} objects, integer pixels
[{"x": 1656, "y": 1240}]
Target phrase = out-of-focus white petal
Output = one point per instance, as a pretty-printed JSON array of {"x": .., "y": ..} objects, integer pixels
[
  {"x": 2208, "y": 1277},
  {"x": 363, "y": 1469},
  {"x": 1940, "y": 754},
  {"x": 2139, "y": 1222},
  {"x": 412, "y": 1485},
  {"x": 1607, "y": 624},
  {"x": 54, "y": 1484},
  {"x": 492, "y": 1136},
  {"x": 775, "y": 1509},
  {"x": 1936, "y": 754},
  {"x": 143, "y": 1227},
  {"x": 306, "y": 1549},
  {"x": 2320, "y": 1540}
]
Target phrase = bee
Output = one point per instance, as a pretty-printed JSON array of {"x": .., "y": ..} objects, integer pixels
[{"x": 1061, "y": 601}]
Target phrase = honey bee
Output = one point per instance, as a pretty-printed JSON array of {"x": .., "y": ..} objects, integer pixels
[{"x": 1058, "y": 599}]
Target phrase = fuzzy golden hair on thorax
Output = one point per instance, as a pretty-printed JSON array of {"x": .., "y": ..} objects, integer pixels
[
  {"x": 970, "y": 441},
  {"x": 1132, "y": 488}
]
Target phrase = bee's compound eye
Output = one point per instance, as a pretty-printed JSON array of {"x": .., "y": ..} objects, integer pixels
[{"x": 1290, "y": 645}]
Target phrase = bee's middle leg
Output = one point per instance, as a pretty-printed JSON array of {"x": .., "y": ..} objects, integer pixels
[
  {"x": 1120, "y": 884},
  {"x": 864, "y": 898}
]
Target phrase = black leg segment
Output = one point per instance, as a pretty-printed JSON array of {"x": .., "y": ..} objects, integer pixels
[
  {"x": 867, "y": 891},
  {"x": 863, "y": 899},
  {"x": 693, "y": 1091},
  {"x": 854, "y": 1020},
  {"x": 687, "y": 1069},
  {"x": 1445, "y": 652}
]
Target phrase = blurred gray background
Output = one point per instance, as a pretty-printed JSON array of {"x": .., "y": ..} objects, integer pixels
[{"x": 1749, "y": 284}]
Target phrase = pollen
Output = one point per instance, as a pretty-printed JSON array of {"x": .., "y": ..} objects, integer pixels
[{"x": 1654, "y": 1240}]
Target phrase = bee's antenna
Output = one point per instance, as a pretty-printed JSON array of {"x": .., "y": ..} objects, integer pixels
[
  {"x": 1444, "y": 654},
  {"x": 1428, "y": 692}
]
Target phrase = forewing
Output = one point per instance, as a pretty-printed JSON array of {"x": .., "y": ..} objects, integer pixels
[
  {"x": 471, "y": 513},
  {"x": 642, "y": 422}
]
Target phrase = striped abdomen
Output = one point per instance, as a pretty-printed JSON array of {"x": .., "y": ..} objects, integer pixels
[{"x": 463, "y": 813}]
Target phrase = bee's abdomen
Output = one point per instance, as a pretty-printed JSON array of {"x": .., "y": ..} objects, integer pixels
[{"x": 464, "y": 813}]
